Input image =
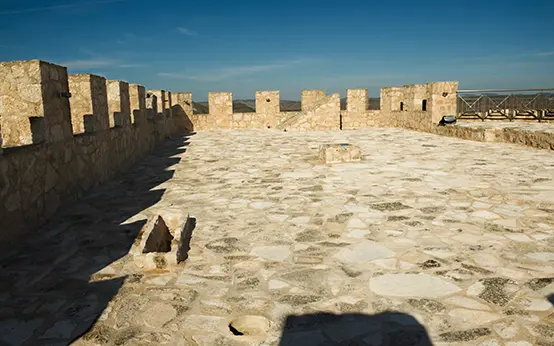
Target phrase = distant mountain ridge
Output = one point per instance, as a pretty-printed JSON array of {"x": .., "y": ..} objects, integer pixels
[{"x": 249, "y": 106}]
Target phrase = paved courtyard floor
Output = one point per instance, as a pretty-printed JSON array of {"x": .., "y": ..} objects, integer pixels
[{"x": 427, "y": 240}]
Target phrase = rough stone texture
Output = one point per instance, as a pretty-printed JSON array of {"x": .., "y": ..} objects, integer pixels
[
  {"x": 324, "y": 114},
  {"x": 356, "y": 115},
  {"x": 119, "y": 106},
  {"x": 337, "y": 153},
  {"x": 279, "y": 234},
  {"x": 268, "y": 107},
  {"x": 35, "y": 181},
  {"x": 137, "y": 100},
  {"x": 182, "y": 110},
  {"x": 310, "y": 99},
  {"x": 151, "y": 106},
  {"x": 442, "y": 99},
  {"x": 356, "y": 100},
  {"x": 359, "y": 120},
  {"x": 160, "y": 111},
  {"x": 31, "y": 108},
  {"x": 88, "y": 102},
  {"x": 221, "y": 108}
]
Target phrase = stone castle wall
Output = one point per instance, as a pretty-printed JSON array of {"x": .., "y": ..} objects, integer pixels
[{"x": 62, "y": 135}]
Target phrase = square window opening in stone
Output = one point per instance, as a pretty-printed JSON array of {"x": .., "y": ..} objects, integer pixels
[
  {"x": 401, "y": 106},
  {"x": 424, "y": 105}
]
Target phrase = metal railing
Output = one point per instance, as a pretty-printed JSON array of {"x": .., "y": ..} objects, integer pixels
[{"x": 506, "y": 104}]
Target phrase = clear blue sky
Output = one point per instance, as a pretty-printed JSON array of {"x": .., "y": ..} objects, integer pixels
[{"x": 243, "y": 46}]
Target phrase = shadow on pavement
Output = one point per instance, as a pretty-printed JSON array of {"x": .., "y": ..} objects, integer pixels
[
  {"x": 52, "y": 286},
  {"x": 384, "y": 329}
]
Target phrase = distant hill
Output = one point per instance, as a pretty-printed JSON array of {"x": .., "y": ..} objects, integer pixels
[
  {"x": 247, "y": 106},
  {"x": 199, "y": 107}
]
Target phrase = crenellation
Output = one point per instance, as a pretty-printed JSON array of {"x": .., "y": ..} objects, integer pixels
[
  {"x": 40, "y": 103},
  {"x": 182, "y": 109},
  {"x": 161, "y": 102},
  {"x": 420, "y": 97},
  {"x": 34, "y": 103},
  {"x": 119, "y": 106},
  {"x": 221, "y": 107},
  {"x": 168, "y": 105},
  {"x": 268, "y": 107},
  {"x": 357, "y": 100},
  {"x": 310, "y": 99},
  {"x": 88, "y": 103},
  {"x": 442, "y": 99},
  {"x": 151, "y": 106},
  {"x": 137, "y": 100}
]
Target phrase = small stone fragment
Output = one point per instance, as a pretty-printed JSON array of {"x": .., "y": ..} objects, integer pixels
[{"x": 158, "y": 237}]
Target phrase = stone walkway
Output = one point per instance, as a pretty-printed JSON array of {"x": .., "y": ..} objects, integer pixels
[{"x": 427, "y": 240}]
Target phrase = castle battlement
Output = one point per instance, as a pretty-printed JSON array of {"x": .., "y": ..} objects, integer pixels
[{"x": 63, "y": 134}]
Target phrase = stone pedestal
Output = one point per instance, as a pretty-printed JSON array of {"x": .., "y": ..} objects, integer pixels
[{"x": 341, "y": 152}]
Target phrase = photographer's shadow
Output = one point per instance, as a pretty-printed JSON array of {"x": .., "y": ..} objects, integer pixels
[{"x": 384, "y": 329}]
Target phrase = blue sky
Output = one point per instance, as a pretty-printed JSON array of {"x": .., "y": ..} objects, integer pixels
[{"x": 241, "y": 47}]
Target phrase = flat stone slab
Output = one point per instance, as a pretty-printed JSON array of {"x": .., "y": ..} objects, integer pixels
[
  {"x": 412, "y": 285},
  {"x": 341, "y": 152}
]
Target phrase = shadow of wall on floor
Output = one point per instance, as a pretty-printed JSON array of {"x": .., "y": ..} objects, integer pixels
[
  {"x": 52, "y": 284},
  {"x": 386, "y": 329}
]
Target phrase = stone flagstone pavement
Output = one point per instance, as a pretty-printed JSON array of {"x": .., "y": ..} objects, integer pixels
[{"x": 427, "y": 240}]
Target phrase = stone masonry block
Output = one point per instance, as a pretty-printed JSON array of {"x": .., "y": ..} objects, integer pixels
[
  {"x": 442, "y": 99},
  {"x": 161, "y": 102},
  {"x": 119, "y": 106},
  {"x": 137, "y": 100},
  {"x": 182, "y": 103},
  {"x": 268, "y": 102},
  {"x": 89, "y": 103},
  {"x": 356, "y": 100},
  {"x": 151, "y": 106},
  {"x": 268, "y": 107},
  {"x": 311, "y": 98},
  {"x": 341, "y": 152},
  {"x": 34, "y": 102},
  {"x": 420, "y": 95},
  {"x": 168, "y": 104},
  {"x": 220, "y": 103}
]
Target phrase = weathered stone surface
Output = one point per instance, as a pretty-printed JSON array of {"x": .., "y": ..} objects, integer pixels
[
  {"x": 272, "y": 253},
  {"x": 337, "y": 153},
  {"x": 281, "y": 260},
  {"x": 363, "y": 252},
  {"x": 411, "y": 285}
]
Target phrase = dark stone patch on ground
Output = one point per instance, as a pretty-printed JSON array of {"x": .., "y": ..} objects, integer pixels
[
  {"x": 392, "y": 206},
  {"x": 430, "y": 264},
  {"x": 465, "y": 335},
  {"x": 427, "y": 305},
  {"x": 495, "y": 291}
]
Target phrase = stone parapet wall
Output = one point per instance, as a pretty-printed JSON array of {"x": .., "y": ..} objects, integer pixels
[
  {"x": 359, "y": 120},
  {"x": 57, "y": 140}
]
